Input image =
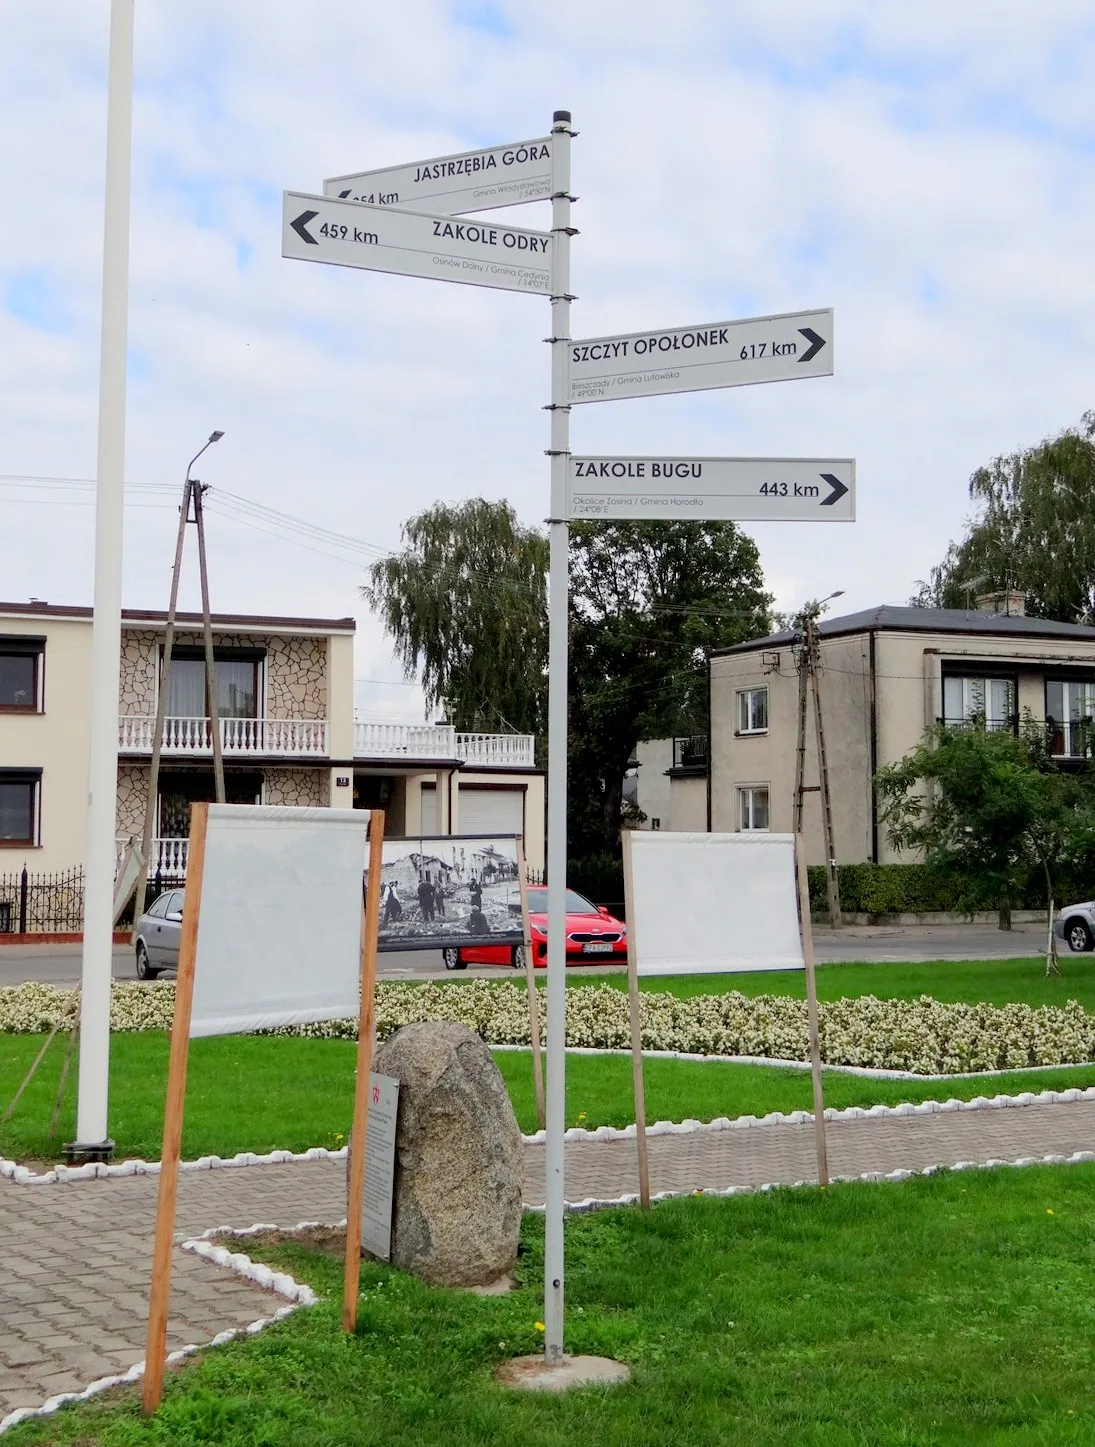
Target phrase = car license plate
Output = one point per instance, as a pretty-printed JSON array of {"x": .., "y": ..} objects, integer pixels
[{"x": 597, "y": 947}]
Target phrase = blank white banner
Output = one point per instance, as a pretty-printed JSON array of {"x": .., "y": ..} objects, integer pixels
[
  {"x": 713, "y": 903},
  {"x": 279, "y": 937}
]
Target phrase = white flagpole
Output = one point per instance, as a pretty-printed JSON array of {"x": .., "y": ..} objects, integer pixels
[
  {"x": 106, "y": 633},
  {"x": 557, "y": 739}
]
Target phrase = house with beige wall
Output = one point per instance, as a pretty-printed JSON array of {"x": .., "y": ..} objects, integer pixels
[
  {"x": 887, "y": 674},
  {"x": 285, "y": 695}
]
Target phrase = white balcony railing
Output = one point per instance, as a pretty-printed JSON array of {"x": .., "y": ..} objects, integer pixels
[
  {"x": 441, "y": 741},
  {"x": 168, "y": 856},
  {"x": 500, "y": 751},
  {"x": 269, "y": 737},
  {"x": 398, "y": 741}
]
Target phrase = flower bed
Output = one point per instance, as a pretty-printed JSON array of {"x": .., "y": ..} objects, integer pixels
[{"x": 921, "y": 1035}]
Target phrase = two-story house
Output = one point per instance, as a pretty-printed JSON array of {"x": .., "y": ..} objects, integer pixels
[
  {"x": 285, "y": 697},
  {"x": 886, "y": 674}
]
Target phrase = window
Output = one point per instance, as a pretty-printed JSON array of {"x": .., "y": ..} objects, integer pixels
[
  {"x": 237, "y": 677},
  {"x": 753, "y": 711},
  {"x": 19, "y": 790},
  {"x": 1070, "y": 710},
  {"x": 158, "y": 908},
  {"x": 753, "y": 807},
  {"x": 21, "y": 674},
  {"x": 969, "y": 698}
]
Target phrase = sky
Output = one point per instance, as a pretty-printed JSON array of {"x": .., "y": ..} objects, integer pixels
[{"x": 926, "y": 170}]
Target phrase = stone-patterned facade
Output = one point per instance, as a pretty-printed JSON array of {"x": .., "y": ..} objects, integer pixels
[
  {"x": 137, "y": 685},
  {"x": 132, "y": 797},
  {"x": 299, "y": 788},
  {"x": 295, "y": 671}
]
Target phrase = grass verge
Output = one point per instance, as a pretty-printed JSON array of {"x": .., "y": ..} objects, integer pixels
[
  {"x": 290, "y": 1094},
  {"x": 953, "y": 1309}
]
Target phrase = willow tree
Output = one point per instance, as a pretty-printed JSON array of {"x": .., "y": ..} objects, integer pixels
[
  {"x": 1033, "y": 533},
  {"x": 465, "y": 603},
  {"x": 648, "y": 602}
]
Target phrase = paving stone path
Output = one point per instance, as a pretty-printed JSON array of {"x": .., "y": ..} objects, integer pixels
[{"x": 75, "y": 1256}]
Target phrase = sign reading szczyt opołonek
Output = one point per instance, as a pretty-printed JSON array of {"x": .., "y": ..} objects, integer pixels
[
  {"x": 454, "y": 185},
  {"x": 692, "y": 359},
  {"x": 414, "y": 243},
  {"x": 705, "y": 489}
]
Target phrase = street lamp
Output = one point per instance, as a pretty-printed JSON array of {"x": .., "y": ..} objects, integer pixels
[{"x": 213, "y": 437}]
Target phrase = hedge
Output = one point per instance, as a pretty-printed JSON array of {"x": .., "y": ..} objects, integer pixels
[{"x": 917, "y": 889}]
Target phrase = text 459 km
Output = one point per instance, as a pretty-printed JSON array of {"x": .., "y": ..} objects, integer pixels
[{"x": 348, "y": 233}]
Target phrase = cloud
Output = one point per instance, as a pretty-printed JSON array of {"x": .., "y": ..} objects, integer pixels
[{"x": 926, "y": 170}]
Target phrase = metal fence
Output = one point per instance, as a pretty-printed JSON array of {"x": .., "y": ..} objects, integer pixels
[
  {"x": 54, "y": 903},
  {"x": 42, "y": 903}
]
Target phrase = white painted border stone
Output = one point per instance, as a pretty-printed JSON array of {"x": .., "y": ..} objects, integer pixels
[{"x": 22, "y": 1176}]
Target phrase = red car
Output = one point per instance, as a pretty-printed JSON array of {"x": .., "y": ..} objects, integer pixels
[{"x": 592, "y": 935}]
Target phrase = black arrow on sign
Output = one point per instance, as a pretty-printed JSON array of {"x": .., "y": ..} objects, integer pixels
[
  {"x": 839, "y": 488},
  {"x": 342, "y": 195},
  {"x": 816, "y": 343},
  {"x": 300, "y": 226}
]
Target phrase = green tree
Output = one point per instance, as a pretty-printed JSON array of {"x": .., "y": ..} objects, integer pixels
[
  {"x": 649, "y": 600},
  {"x": 1034, "y": 532},
  {"x": 991, "y": 808},
  {"x": 465, "y": 601}
]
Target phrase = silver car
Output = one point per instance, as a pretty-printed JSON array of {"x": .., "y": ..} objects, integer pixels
[
  {"x": 1075, "y": 924},
  {"x": 158, "y": 932}
]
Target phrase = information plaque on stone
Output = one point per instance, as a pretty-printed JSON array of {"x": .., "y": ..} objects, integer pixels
[{"x": 376, "y": 1209}]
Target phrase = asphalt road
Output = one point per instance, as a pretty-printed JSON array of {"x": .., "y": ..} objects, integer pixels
[{"x": 60, "y": 964}]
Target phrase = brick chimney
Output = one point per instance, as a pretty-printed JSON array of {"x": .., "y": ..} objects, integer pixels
[{"x": 1011, "y": 604}]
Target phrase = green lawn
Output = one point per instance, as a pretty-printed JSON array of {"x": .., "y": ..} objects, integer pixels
[
  {"x": 995, "y": 982},
  {"x": 950, "y": 1310},
  {"x": 294, "y": 1093}
]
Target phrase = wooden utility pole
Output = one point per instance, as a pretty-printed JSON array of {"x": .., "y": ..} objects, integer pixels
[
  {"x": 192, "y": 490},
  {"x": 809, "y": 681}
]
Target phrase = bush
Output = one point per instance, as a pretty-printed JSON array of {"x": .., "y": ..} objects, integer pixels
[
  {"x": 600, "y": 877},
  {"x": 919, "y": 889}
]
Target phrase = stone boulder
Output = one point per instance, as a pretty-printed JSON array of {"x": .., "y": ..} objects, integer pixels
[{"x": 459, "y": 1162}]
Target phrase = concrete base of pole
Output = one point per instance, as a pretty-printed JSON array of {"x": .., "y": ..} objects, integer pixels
[
  {"x": 532, "y": 1374},
  {"x": 77, "y": 1153}
]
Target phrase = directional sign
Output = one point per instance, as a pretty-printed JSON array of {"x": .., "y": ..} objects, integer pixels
[
  {"x": 453, "y": 185},
  {"x": 692, "y": 359},
  {"x": 704, "y": 489},
  {"x": 414, "y": 243}
]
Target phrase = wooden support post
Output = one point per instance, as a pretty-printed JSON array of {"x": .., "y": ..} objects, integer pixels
[
  {"x": 66, "y": 1065},
  {"x": 635, "y": 1019},
  {"x": 156, "y": 1347},
  {"x": 31, "y": 1073},
  {"x": 161, "y": 716},
  {"x": 533, "y": 997},
  {"x": 811, "y": 1009},
  {"x": 355, "y": 1192},
  {"x": 196, "y": 490}
]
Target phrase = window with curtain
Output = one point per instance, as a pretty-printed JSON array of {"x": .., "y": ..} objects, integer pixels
[
  {"x": 1070, "y": 710},
  {"x": 974, "y": 696},
  {"x": 237, "y": 687}
]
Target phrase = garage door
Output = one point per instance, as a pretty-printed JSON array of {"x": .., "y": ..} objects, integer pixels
[
  {"x": 429, "y": 809},
  {"x": 491, "y": 811}
]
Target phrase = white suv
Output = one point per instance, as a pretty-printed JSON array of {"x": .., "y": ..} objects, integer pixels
[{"x": 1075, "y": 924}]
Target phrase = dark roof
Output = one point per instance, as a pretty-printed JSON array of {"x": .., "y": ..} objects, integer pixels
[
  {"x": 889, "y": 618},
  {"x": 154, "y": 615}
]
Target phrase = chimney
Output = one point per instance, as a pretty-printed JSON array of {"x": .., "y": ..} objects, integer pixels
[{"x": 1010, "y": 604}]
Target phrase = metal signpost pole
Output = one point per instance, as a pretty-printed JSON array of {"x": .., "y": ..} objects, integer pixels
[
  {"x": 106, "y": 634},
  {"x": 557, "y": 737}
]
